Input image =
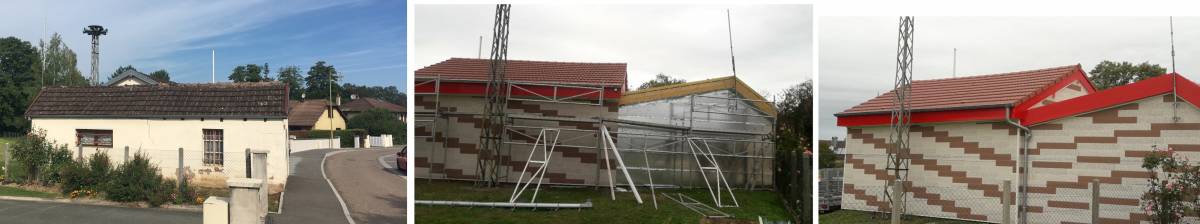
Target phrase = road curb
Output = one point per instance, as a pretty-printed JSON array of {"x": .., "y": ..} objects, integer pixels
[
  {"x": 345, "y": 210},
  {"x": 185, "y": 208}
]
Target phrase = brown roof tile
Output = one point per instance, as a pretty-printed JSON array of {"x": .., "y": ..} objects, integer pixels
[
  {"x": 306, "y": 113},
  {"x": 611, "y": 74},
  {"x": 994, "y": 90},
  {"x": 367, "y": 103},
  {"x": 226, "y": 100}
]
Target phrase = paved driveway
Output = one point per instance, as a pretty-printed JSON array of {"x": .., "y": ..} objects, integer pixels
[
  {"x": 307, "y": 197},
  {"x": 368, "y": 182},
  {"x": 52, "y": 212}
]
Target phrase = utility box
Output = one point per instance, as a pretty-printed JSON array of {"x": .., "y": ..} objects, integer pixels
[{"x": 216, "y": 210}]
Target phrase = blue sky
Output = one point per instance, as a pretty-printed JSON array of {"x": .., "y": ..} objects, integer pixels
[{"x": 363, "y": 39}]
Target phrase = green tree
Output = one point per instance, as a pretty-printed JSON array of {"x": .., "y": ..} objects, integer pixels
[
  {"x": 794, "y": 122},
  {"x": 390, "y": 93},
  {"x": 161, "y": 75},
  {"x": 378, "y": 121},
  {"x": 246, "y": 73},
  {"x": 17, "y": 83},
  {"x": 318, "y": 80},
  {"x": 266, "y": 73},
  {"x": 660, "y": 80},
  {"x": 40, "y": 157},
  {"x": 58, "y": 67},
  {"x": 290, "y": 75},
  {"x": 122, "y": 70},
  {"x": 1108, "y": 74}
]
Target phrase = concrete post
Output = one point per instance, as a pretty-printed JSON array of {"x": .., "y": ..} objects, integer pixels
[
  {"x": 356, "y": 141},
  {"x": 7, "y": 155},
  {"x": 259, "y": 172},
  {"x": 179, "y": 174},
  {"x": 244, "y": 200},
  {"x": 897, "y": 187},
  {"x": 367, "y": 143},
  {"x": 1006, "y": 199},
  {"x": 216, "y": 210},
  {"x": 1095, "y": 201},
  {"x": 126, "y": 159},
  {"x": 80, "y": 152}
]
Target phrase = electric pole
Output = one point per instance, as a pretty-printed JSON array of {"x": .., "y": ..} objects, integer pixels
[{"x": 95, "y": 31}]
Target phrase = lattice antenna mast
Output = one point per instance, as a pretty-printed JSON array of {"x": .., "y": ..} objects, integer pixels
[
  {"x": 898, "y": 152},
  {"x": 493, "y": 116},
  {"x": 95, "y": 31}
]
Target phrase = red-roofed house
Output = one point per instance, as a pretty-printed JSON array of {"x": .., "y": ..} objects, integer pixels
[
  {"x": 971, "y": 134},
  {"x": 570, "y": 96}
]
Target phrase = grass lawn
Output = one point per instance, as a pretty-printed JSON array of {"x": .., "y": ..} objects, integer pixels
[
  {"x": 624, "y": 210},
  {"x": 13, "y": 191},
  {"x": 849, "y": 216}
]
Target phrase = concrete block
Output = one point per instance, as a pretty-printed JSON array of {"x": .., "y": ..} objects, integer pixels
[
  {"x": 244, "y": 201},
  {"x": 216, "y": 210}
]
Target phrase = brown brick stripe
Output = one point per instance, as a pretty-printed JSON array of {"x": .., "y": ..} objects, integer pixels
[
  {"x": 961, "y": 177},
  {"x": 918, "y": 192},
  {"x": 862, "y": 195},
  {"x": 1112, "y": 116},
  {"x": 1001, "y": 159}
]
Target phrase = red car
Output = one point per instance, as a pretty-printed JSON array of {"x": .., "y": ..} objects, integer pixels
[{"x": 402, "y": 159}]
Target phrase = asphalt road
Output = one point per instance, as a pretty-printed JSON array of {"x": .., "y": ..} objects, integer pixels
[
  {"x": 370, "y": 185},
  {"x": 52, "y": 212},
  {"x": 307, "y": 197}
]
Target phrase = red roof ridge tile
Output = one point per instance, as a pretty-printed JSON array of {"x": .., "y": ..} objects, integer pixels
[
  {"x": 1000, "y": 74},
  {"x": 541, "y": 61}
]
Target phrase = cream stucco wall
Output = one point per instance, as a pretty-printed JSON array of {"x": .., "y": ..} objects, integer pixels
[
  {"x": 161, "y": 139},
  {"x": 339, "y": 123}
]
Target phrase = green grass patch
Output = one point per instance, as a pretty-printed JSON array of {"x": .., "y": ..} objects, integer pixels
[
  {"x": 19, "y": 192},
  {"x": 850, "y": 216},
  {"x": 605, "y": 210}
]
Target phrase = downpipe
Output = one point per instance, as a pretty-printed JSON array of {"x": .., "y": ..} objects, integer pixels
[{"x": 1025, "y": 137}]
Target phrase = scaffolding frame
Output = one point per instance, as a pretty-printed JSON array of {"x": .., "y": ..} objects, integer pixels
[{"x": 754, "y": 156}]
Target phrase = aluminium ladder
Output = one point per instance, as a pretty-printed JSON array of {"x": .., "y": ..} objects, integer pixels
[
  {"x": 700, "y": 151},
  {"x": 546, "y": 140}
]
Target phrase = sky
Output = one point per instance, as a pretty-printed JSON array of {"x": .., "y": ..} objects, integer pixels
[
  {"x": 858, "y": 54},
  {"x": 363, "y": 39},
  {"x": 772, "y": 43}
]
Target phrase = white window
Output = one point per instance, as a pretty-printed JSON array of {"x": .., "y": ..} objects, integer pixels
[
  {"x": 214, "y": 147},
  {"x": 96, "y": 138}
]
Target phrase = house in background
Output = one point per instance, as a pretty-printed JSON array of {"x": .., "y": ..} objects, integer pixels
[
  {"x": 358, "y": 105},
  {"x": 134, "y": 77},
  {"x": 214, "y": 124},
  {"x": 314, "y": 115}
]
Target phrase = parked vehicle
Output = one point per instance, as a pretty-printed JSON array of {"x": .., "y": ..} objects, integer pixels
[
  {"x": 402, "y": 159},
  {"x": 830, "y": 189}
]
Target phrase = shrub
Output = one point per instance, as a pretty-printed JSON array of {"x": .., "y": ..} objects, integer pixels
[
  {"x": 379, "y": 122},
  {"x": 136, "y": 180},
  {"x": 59, "y": 157},
  {"x": 89, "y": 176},
  {"x": 1174, "y": 186},
  {"x": 38, "y": 156}
]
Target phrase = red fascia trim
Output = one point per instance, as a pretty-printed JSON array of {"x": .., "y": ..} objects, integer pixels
[
  {"x": 1076, "y": 75},
  {"x": 1111, "y": 97},
  {"x": 478, "y": 88},
  {"x": 984, "y": 114}
]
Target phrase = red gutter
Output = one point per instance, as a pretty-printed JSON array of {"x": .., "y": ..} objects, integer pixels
[
  {"x": 478, "y": 88},
  {"x": 983, "y": 114}
]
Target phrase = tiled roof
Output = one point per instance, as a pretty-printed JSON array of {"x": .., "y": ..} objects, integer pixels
[
  {"x": 698, "y": 87},
  {"x": 609, "y": 74},
  {"x": 306, "y": 113},
  {"x": 226, "y": 100},
  {"x": 982, "y": 91},
  {"x": 367, "y": 103}
]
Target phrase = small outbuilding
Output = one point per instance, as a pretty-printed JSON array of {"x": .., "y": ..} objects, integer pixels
[
  {"x": 1047, "y": 131},
  {"x": 215, "y": 125}
]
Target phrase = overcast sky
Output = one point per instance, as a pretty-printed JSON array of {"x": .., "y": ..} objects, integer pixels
[
  {"x": 363, "y": 39},
  {"x": 773, "y": 43},
  {"x": 858, "y": 54}
]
